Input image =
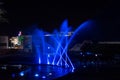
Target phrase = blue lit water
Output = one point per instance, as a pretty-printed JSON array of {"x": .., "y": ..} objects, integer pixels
[{"x": 52, "y": 48}]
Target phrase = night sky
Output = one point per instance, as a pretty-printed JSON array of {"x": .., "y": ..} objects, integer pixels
[{"x": 49, "y": 15}]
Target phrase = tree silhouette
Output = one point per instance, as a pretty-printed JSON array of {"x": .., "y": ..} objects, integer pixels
[{"x": 2, "y": 14}]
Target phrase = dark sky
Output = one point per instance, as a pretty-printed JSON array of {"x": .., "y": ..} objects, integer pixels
[{"x": 49, "y": 15}]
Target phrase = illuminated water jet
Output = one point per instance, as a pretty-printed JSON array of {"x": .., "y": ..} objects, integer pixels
[{"x": 53, "y": 48}]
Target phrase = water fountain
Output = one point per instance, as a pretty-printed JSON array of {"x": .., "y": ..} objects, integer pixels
[
  {"x": 52, "y": 49},
  {"x": 51, "y": 53}
]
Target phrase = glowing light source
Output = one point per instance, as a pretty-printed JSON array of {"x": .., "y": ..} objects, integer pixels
[
  {"x": 39, "y": 61},
  {"x": 53, "y": 63},
  {"x": 48, "y": 55},
  {"x": 73, "y": 70},
  {"x": 48, "y": 62},
  {"x": 50, "y": 73},
  {"x": 96, "y": 55},
  {"x": 21, "y": 73},
  {"x": 48, "y": 47},
  {"x": 36, "y": 75},
  {"x": 43, "y": 77}
]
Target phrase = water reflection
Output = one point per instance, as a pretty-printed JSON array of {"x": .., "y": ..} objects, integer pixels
[{"x": 33, "y": 72}]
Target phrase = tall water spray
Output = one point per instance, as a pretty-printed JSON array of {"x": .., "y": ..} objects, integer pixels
[{"x": 53, "y": 48}]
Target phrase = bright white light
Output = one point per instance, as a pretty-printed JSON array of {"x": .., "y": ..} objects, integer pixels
[
  {"x": 48, "y": 62},
  {"x": 22, "y": 74},
  {"x": 48, "y": 47},
  {"x": 14, "y": 40},
  {"x": 36, "y": 75},
  {"x": 66, "y": 35},
  {"x": 73, "y": 70},
  {"x": 48, "y": 35},
  {"x": 53, "y": 63},
  {"x": 48, "y": 55},
  {"x": 96, "y": 55},
  {"x": 39, "y": 61}
]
